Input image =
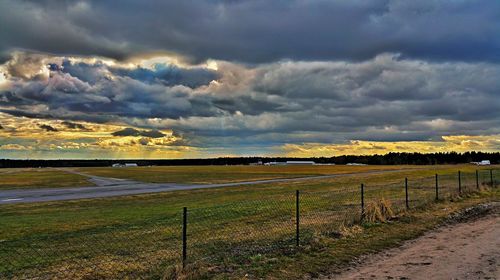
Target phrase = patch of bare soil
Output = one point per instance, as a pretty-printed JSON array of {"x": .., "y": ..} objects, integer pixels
[{"x": 467, "y": 249}]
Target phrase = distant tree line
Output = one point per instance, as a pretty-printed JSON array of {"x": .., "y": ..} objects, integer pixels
[{"x": 387, "y": 159}]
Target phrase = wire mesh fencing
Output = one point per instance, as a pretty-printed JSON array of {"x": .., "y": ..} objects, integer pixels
[
  {"x": 136, "y": 251},
  {"x": 226, "y": 234},
  {"x": 326, "y": 212},
  {"x": 234, "y": 231},
  {"x": 423, "y": 191}
]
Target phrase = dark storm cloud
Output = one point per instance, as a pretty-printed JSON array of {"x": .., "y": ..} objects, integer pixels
[
  {"x": 169, "y": 75},
  {"x": 47, "y": 128},
  {"x": 25, "y": 111},
  {"x": 96, "y": 92},
  {"x": 90, "y": 73},
  {"x": 53, "y": 26},
  {"x": 161, "y": 73},
  {"x": 247, "y": 105},
  {"x": 135, "y": 132},
  {"x": 4, "y": 57},
  {"x": 72, "y": 125},
  {"x": 384, "y": 99},
  {"x": 256, "y": 31},
  {"x": 99, "y": 93}
]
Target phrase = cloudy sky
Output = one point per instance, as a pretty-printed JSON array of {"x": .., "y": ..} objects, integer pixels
[{"x": 207, "y": 78}]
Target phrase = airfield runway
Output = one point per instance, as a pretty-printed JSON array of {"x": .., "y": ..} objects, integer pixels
[{"x": 108, "y": 187}]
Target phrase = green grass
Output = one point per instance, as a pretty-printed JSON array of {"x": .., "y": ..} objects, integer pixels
[
  {"x": 226, "y": 174},
  {"x": 235, "y": 227},
  {"x": 39, "y": 178},
  {"x": 56, "y": 178}
]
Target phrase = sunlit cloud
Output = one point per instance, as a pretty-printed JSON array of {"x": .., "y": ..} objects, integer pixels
[
  {"x": 25, "y": 137},
  {"x": 457, "y": 143},
  {"x": 3, "y": 81}
]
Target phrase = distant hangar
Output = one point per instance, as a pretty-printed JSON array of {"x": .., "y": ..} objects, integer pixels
[{"x": 291, "y": 162}]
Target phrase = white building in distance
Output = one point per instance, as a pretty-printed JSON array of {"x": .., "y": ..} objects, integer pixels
[
  {"x": 124, "y": 165},
  {"x": 483, "y": 162},
  {"x": 300, "y": 162},
  {"x": 291, "y": 162}
]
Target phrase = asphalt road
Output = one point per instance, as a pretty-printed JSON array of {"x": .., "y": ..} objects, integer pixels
[{"x": 108, "y": 187}]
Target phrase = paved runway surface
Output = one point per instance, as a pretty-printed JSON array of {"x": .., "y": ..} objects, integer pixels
[{"x": 107, "y": 187}]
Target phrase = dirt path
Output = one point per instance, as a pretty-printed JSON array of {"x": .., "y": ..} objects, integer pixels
[{"x": 462, "y": 251}]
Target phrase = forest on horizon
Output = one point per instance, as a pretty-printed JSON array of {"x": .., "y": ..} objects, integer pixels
[{"x": 386, "y": 159}]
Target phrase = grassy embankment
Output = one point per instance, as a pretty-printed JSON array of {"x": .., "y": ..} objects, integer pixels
[{"x": 239, "y": 228}]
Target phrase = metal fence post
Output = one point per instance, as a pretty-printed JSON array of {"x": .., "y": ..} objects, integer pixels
[
  {"x": 459, "y": 183},
  {"x": 437, "y": 188},
  {"x": 297, "y": 217},
  {"x": 362, "y": 202},
  {"x": 184, "y": 236},
  {"x": 406, "y": 194},
  {"x": 477, "y": 179},
  {"x": 491, "y": 177}
]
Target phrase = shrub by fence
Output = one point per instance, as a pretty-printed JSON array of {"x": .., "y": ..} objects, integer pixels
[{"x": 227, "y": 234}]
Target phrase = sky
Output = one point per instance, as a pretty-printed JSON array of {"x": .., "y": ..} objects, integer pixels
[{"x": 210, "y": 78}]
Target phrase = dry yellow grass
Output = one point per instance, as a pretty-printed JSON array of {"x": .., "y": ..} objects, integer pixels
[{"x": 379, "y": 211}]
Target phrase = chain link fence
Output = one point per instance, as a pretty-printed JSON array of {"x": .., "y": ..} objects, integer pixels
[{"x": 225, "y": 235}]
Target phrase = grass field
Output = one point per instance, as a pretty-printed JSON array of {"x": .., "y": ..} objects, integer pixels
[
  {"x": 18, "y": 178},
  {"x": 55, "y": 178},
  {"x": 235, "y": 227},
  {"x": 226, "y": 174}
]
